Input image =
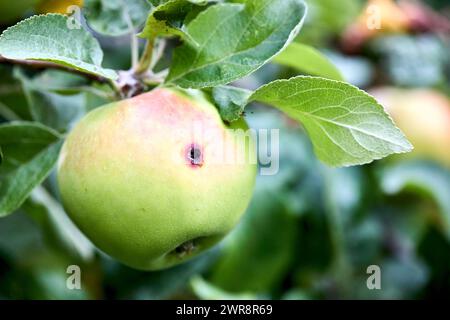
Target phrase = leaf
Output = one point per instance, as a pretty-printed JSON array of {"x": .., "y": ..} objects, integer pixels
[
  {"x": 234, "y": 40},
  {"x": 346, "y": 125},
  {"x": 13, "y": 105},
  {"x": 258, "y": 265},
  {"x": 161, "y": 2},
  {"x": 17, "y": 132},
  {"x": 230, "y": 101},
  {"x": 413, "y": 60},
  {"x": 167, "y": 19},
  {"x": 1, "y": 156},
  {"x": 343, "y": 192},
  {"x": 155, "y": 285},
  {"x": 39, "y": 148},
  {"x": 54, "y": 110},
  {"x": 16, "y": 186},
  {"x": 206, "y": 291},
  {"x": 424, "y": 178},
  {"x": 48, "y": 38},
  {"x": 51, "y": 214},
  {"x": 307, "y": 59},
  {"x": 116, "y": 17}
]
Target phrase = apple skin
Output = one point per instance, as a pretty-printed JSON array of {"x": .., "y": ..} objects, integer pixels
[
  {"x": 127, "y": 182},
  {"x": 424, "y": 116}
]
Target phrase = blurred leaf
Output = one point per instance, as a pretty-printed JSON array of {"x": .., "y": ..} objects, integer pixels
[
  {"x": 298, "y": 182},
  {"x": 296, "y": 294},
  {"x": 346, "y": 125},
  {"x": 402, "y": 278},
  {"x": 206, "y": 291},
  {"x": 356, "y": 70},
  {"x": 58, "y": 111},
  {"x": 43, "y": 277},
  {"x": 16, "y": 185},
  {"x": 258, "y": 252},
  {"x": 344, "y": 191},
  {"x": 415, "y": 61},
  {"x": 230, "y": 101},
  {"x": 307, "y": 59},
  {"x": 364, "y": 241},
  {"x": 19, "y": 236},
  {"x": 21, "y": 141},
  {"x": 48, "y": 38},
  {"x": 328, "y": 18},
  {"x": 68, "y": 84},
  {"x": 53, "y": 80},
  {"x": 116, "y": 17},
  {"x": 13, "y": 11},
  {"x": 236, "y": 44},
  {"x": 127, "y": 283},
  {"x": 13, "y": 105},
  {"x": 423, "y": 178},
  {"x": 65, "y": 234},
  {"x": 435, "y": 250}
]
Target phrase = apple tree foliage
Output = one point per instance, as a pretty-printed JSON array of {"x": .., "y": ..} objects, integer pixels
[
  {"x": 212, "y": 45},
  {"x": 221, "y": 42}
]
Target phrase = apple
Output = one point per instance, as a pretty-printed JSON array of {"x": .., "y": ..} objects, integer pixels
[
  {"x": 148, "y": 181},
  {"x": 377, "y": 17},
  {"x": 424, "y": 116},
  {"x": 11, "y": 11}
]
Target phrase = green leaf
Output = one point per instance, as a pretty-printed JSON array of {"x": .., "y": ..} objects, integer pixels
[
  {"x": 58, "y": 111},
  {"x": 1, "y": 156},
  {"x": 230, "y": 101},
  {"x": 48, "y": 38},
  {"x": 307, "y": 59},
  {"x": 161, "y": 2},
  {"x": 16, "y": 185},
  {"x": 167, "y": 19},
  {"x": 346, "y": 125},
  {"x": 24, "y": 145},
  {"x": 233, "y": 40},
  {"x": 258, "y": 265},
  {"x": 61, "y": 231},
  {"x": 424, "y": 178},
  {"x": 116, "y": 17},
  {"x": 18, "y": 132},
  {"x": 155, "y": 285},
  {"x": 206, "y": 291},
  {"x": 13, "y": 105}
]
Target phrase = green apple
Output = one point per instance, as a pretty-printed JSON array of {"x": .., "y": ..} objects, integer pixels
[
  {"x": 149, "y": 179},
  {"x": 11, "y": 11},
  {"x": 424, "y": 116}
]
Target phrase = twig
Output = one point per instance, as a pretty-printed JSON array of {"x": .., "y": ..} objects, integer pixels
[
  {"x": 159, "y": 51},
  {"x": 134, "y": 50},
  {"x": 146, "y": 58}
]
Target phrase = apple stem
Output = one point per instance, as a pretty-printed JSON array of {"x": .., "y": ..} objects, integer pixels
[{"x": 186, "y": 248}]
